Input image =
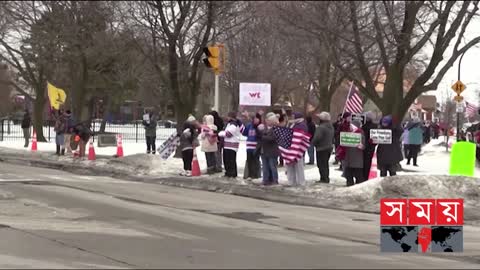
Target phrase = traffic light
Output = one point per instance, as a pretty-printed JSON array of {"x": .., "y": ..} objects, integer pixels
[{"x": 212, "y": 59}]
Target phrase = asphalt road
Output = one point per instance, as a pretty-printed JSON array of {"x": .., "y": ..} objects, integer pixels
[{"x": 53, "y": 219}]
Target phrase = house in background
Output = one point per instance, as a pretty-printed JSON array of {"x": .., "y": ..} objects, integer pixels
[{"x": 425, "y": 107}]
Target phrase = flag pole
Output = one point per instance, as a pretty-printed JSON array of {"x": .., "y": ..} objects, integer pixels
[{"x": 345, "y": 105}]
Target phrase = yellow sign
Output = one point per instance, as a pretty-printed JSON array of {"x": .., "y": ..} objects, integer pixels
[
  {"x": 458, "y": 98},
  {"x": 56, "y": 96},
  {"x": 458, "y": 87}
]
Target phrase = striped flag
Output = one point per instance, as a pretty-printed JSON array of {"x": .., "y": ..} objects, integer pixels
[
  {"x": 169, "y": 146},
  {"x": 354, "y": 102},
  {"x": 471, "y": 109},
  {"x": 293, "y": 143}
]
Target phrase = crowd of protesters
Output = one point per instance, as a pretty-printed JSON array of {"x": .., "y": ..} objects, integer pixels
[{"x": 219, "y": 138}]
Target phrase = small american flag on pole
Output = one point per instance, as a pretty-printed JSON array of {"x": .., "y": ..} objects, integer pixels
[
  {"x": 293, "y": 143},
  {"x": 471, "y": 109},
  {"x": 354, "y": 103}
]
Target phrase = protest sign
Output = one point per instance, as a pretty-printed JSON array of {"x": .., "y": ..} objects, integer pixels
[{"x": 381, "y": 136}]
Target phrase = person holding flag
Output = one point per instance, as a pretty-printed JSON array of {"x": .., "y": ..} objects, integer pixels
[{"x": 293, "y": 142}]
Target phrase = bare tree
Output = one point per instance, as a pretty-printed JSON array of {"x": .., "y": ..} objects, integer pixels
[{"x": 397, "y": 34}]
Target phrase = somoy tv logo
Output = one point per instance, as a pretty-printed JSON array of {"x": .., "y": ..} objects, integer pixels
[{"x": 421, "y": 225}]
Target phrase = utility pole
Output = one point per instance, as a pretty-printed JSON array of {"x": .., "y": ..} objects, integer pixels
[{"x": 458, "y": 94}]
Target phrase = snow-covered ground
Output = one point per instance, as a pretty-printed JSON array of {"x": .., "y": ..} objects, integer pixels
[{"x": 434, "y": 160}]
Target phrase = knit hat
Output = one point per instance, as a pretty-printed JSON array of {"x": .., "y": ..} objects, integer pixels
[
  {"x": 271, "y": 116},
  {"x": 297, "y": 115},
  {"x": 387, "y": 120},
  {"x": 324, "y": 116},
  {"x": 191, "y": 118}
]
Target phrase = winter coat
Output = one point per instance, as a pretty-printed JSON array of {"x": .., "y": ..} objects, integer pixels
[
  {"x": 151, "y": 128},
  {"x": 323, "y": 137},
  {"x": 415, "y": 133},
  {"x": 251, "y": 133},
  {"x": 231, "y": 136},
  {"x": 83, "y": 131},
  {"x": 189, "y": 137},
  {"x": 269, "y": 146},
  {"x": 390, "y": 154},
  {"x": 405, "y": 137},
  {"x": 208, "y": 136},
  {"x": 311, "y": 130},
  {"x": 340, "y": 151},
  {"x": 218, "y": 122},
  {"x": 27, "y": 121},
  {"x": 369, "y": 145},
  {"x": 60, "y": 125},
  {"x": 70, "y": 124},
  {"x": 354, "y": 155}
]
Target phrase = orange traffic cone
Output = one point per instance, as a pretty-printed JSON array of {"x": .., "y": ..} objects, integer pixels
[
  {"x": 373, "y": 169},
  {"x": 195, "y": 164},
  {"x": 34, "y": 141},
  {"x": 91, "y": 151},
  {"x": 119, "y": 146}
]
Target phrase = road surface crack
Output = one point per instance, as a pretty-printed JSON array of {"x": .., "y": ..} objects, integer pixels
[{"x": 73, "y": 247}]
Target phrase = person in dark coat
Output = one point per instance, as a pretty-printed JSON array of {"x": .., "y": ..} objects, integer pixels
[
  {"x": 188, "y": 142},
  {"x": 219, "y": 123},
  {"x": 311, "y": 130},
  {"x": 151, "y": 131},
  {"x": 389, "y": 155},
  {"x": 60, "y": 128},
  {"x": 269, "y": 150},
  {"x": 26, "y": 124},
  {"x": 84, "y": 132},
  {"x": 353, "y": 161},
  {"x": 323, "y": 142},
  {"x": 369, "y": 145}
]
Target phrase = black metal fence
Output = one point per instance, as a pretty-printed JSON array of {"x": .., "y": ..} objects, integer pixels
[{"x": 11, "y": 130}]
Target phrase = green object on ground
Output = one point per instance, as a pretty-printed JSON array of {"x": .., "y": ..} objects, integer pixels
[{"x": 462, "y": 159}]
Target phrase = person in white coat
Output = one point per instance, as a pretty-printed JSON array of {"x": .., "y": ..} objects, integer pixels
[
  {"x": 231, "y": 135},
  {"x": 208, "y": 142}
]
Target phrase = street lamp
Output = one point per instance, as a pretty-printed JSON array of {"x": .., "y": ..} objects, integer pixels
[{"x": 458, "y": 113}]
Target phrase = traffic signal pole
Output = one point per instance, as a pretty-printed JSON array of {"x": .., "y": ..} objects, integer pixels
[{"x": 217, "y": 93}]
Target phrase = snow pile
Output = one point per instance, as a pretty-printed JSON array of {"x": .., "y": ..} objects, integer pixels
[{"x": 366, "y": 197}]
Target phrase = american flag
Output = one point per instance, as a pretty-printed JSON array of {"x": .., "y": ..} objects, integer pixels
[
  {"x": 293, "y": 143},
  {"x": 354, "y": 102},
  {"x": 471, "y": 110}
]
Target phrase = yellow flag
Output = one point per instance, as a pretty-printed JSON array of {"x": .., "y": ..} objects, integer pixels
[{"x": 56, "y": 96}]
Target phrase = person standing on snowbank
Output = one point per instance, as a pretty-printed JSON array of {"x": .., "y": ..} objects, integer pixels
[
  {"x": 415, "y": 140},
  {"x": 353, "y": 163},
  {"x": 188, "y": 142},
  {"x": 269, "y": 150},
  {"x": 150, "y": 124},
  {"x": 218, "y": 122},
  {"x": 322, "y": 141},
  {"x": 389, "y": 155},
  {"x": 209, "y": 141},
  {"x": 296, "y": 170},
  {"x": 231, "y": 136},
  {"x": 59, "y": 128},
  {"x": 253, "y": 162},
  {"x": 26, "y": 124}
]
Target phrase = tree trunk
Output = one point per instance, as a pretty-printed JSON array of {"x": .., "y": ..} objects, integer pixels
[
  {"x": 392, "y": 100},
  {"x": 38, "y": 110},
  {"x": 106, "y": 111}
]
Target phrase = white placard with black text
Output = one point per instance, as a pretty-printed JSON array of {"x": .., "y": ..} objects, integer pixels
[{"x": 381, "y": 136}]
